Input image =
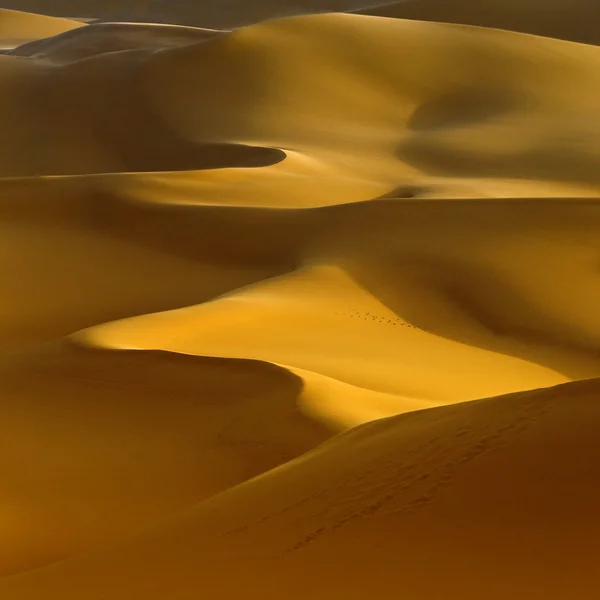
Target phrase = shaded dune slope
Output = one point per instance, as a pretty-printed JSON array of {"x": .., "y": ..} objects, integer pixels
[
  {"x": 573, "y": 20},
  {"x": 207, "y": 13},
  {"x": 424, "y": 493},
  {"x": 98, "y": 427},
  {"x": 101, "y": 38}
]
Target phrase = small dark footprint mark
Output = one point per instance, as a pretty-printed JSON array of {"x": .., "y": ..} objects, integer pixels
[{"x": 366, "y": 316}]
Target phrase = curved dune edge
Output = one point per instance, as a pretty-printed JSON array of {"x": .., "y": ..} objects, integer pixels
[
  {"x": 459, "y": 277},
  {"x": 101, "y": 38},
  {"x": 490, "y": 466},
  {"x": 18, "y": 27},
  {"x": 201, "y": 424},
  {"x": 110, "y": 423}
]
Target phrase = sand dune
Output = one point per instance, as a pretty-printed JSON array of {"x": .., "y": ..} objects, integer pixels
[
  {"x": 487, "y": 118},
  {"x": 102, "y": 38},
  {"x": 305, "y": 309},
  {"x": 17, "y": 27},
  {"x": 200, "y": 425},
  {"x": 419, "y": 273},
  {"x": 498, "y": 494}
]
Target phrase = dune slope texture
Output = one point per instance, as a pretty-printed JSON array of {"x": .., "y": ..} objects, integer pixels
[{"x": 302, "y": 309}]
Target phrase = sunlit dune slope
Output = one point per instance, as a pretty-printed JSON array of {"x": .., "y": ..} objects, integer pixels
[
  {"x": 574, "y": 20},
  {"x": 495, "y": 497},
  {"x": 18, "y": 27},
  {"x": 439, "y": 301},
  {"x": 501, "y": 276}
]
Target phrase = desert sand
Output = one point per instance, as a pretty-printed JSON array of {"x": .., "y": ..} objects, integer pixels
[
  {"x": 300, "y": 307},
  {"x": 17, "y": 28}
]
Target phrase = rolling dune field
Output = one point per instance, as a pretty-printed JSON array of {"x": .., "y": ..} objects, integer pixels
[{"x": 300, "y": 300}]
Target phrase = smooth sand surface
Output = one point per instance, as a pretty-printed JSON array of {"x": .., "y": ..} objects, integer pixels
[
  {"x": 496, "y": 497},
  {"x": 307, "y": 309},
  {"x": 18, "y": 27}
]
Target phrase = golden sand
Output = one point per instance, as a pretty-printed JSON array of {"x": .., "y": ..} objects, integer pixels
[{"x": 304, "y": 310}]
